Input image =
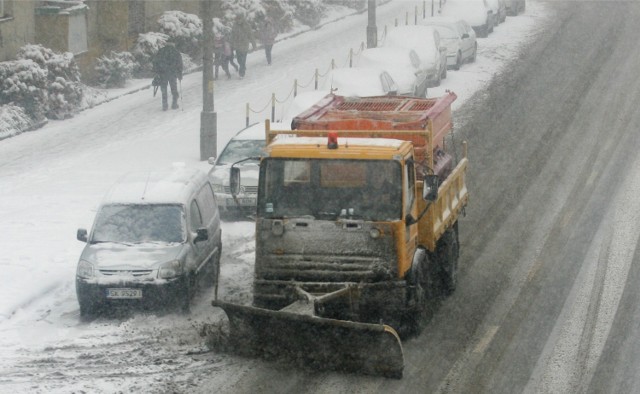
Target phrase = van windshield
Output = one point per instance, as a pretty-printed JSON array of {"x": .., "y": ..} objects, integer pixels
[{"x": 139, "y": 223}]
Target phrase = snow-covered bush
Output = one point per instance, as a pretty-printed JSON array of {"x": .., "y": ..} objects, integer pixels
[
  {"x": 115, "y": 68},
  {"x": 309, "y": 12},
  {"x": 13, "y": 120},
  {"x": 63, "y": 75},
  {"x": 147, "y": 45},
  {"x": 183, "y": 29},
  {"x": 24, "y": 83}
]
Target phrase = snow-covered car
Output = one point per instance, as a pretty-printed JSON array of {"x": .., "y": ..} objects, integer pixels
[
  {"x": 300, "y": 103},
  {"x": 402, "y": 64},
  {"x": 427, "y": 44},
  {"x": 458, "y": 37},
  {"x": 247, "y": 143},
  {"x": 360, "y": 82},
  {"x": 514, "y": 7},
  {"x": 476, "y": 13},
  {"x": 155, "y": 238},
  {"x": 499, "y": 9}
]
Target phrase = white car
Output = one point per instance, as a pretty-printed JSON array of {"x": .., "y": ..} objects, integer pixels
[
  {"x": 402, "y": 64},
  {"x": 427, "y": 44},
  {"x": 360, "y": 82},
  {"x": 514, "y": 7},
  {"x": 476, "y": 13},
  {"x": 247, "y": 143},
  {"x": 458, "y": 37}
]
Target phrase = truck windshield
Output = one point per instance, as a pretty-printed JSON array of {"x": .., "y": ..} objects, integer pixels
[
  {"x": 139, "y": 223},
  {"x": 330, "y": 189}
]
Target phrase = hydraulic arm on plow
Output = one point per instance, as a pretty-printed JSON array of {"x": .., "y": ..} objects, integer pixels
[{"x": 356, "y": 233}]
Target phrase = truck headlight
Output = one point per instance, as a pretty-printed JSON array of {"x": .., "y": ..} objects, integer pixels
[
  {"x": 170, "y": 269},
  {"x": 85, "y": 269}
]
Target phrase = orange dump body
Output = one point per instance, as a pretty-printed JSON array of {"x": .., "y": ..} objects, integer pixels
[{"x": 422, "y": 121}]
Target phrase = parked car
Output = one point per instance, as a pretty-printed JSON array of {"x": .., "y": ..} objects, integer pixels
[
  {"x": 458, "y": 37},
  {"x": 402, "y": 64},
  {"x": 514, "y": 7},
  {"x": 155, "y": 239},
  {"x": 427, "y": 44},
  {"x": 247, "y": 143},
  {"x": 499, "y": 8},
  {"x": 360, "y": 82},
  {"x": 476, "y": 13}
]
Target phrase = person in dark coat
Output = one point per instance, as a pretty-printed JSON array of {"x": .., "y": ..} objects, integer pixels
[
  {"x": 221, "y": 59},
  {"x": 168, "y": 65},
  {"x": 268, "y": 35},
  {"x": 241, "y": 38}
]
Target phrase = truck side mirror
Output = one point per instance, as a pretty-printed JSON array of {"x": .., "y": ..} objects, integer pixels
[
  {"x": 430, "y": 188},
  {"x": 234, "y": 181}
]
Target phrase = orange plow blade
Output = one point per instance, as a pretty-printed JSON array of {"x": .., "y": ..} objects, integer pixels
[{"x": 316, "y": 342}]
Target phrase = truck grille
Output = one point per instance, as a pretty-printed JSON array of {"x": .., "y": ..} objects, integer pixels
[{"x": 323, "y": 269}]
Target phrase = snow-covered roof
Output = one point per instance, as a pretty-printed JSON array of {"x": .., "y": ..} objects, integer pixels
[{"x": 153, "y": 187}]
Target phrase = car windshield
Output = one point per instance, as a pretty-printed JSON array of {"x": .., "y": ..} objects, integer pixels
[
  {"x": 446, "y": 33},
  {"x": 237, "y": 150},
  {"x": 360, "y": 189},
  {"x": 139, "y": 223}
]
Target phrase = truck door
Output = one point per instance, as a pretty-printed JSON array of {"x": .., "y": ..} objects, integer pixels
[{"x": 409, "y": 207}]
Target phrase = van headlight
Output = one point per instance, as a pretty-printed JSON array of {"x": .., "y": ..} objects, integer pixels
[
  {"x": 85, "y": 269},
  {"x": 170, "y": 269}
]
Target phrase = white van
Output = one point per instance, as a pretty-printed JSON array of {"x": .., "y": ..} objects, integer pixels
[{"x": 155, "y": 238}]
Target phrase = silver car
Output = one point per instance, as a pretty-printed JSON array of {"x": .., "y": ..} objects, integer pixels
[
  {"x": 246, "y": 144},
  {"x": 459, "y": 38},
  {"x": 155, "y": 239}
]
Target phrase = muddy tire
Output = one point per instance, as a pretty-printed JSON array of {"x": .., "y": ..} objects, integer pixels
[
  {"x": 448, "y": 253},
  {"x": 422, "y": 293}
]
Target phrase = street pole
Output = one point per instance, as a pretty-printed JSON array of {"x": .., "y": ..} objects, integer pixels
[
  {"x": 208, "y": 117},
  {"x": 372, "y": 30}
]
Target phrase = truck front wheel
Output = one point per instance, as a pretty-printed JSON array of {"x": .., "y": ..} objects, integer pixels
[{"x": 448, "y": 252}]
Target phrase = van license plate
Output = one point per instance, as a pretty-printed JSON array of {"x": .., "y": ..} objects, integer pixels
[{"x": 124, "y": 293}]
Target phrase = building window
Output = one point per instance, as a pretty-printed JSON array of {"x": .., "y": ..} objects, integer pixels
[{"x": 5, "y": 8}]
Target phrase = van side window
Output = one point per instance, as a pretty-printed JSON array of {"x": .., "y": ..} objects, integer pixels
[
  {"x": 207, "y": 202},
  {"x": 196, "y": 217}
]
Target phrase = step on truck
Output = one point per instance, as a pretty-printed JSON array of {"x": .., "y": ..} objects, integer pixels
[{"x": 356, "y": 233}]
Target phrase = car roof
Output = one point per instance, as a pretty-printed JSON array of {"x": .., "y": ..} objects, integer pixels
[
  {"x": 173, "y": 186},
  {"x": 388, "y": 56},
  {"x": 256, "y": 131},
  {"x": 441, "y": 20}
]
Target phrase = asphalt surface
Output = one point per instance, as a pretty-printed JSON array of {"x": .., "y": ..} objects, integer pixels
[{"x": 546, "y": 300}]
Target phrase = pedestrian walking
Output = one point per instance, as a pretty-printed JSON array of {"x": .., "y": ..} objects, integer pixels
[
  {"x": 268, "y": 35},
  {"x": 228, "y": 53},
  {"x": 168, "y": 65},
  {"x": 221, "y": 59},
  {"x": 241, "y": 38}
]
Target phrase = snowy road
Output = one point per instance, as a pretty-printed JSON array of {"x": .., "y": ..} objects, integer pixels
[{"x": 546, "y": 299}]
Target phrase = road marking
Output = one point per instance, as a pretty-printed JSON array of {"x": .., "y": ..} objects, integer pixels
[
  {"x": 486, "y": 339},
  {"x": 534, "y": 270}
]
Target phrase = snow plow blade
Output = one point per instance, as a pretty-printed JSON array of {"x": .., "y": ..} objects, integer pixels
[{"x": 316, "y": 342}]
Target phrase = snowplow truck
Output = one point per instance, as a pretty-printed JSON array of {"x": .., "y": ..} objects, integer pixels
[{"x": 356, "y": 233}]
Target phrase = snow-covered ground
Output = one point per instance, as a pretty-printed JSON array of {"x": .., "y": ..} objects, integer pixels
[{"x": 52, "y": 179}]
